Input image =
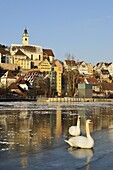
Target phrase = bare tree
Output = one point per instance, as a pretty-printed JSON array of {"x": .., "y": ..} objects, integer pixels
[{"x": 71, "y": 76}]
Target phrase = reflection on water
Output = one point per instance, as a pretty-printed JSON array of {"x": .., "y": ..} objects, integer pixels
[
  {"x": 86, "y": 154},
  {"x": 31, "y": 127}
]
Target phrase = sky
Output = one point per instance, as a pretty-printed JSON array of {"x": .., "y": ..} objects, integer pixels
[{"x": 81, "y": 28}]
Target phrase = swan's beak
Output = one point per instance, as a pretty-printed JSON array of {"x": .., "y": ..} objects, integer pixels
[{"x": 90, "y": 121}]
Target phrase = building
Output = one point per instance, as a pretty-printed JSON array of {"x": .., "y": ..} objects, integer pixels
[
  {"x": 32, "y": 53},
  {"x": 59, "y": 72},
  {"x": 82, "y": 68},
  {"x": 44, "y": 66},
  {"x": 7, "y": 79},
  {"x": 84, "y": 90},
  {"x": 70, "y": 65}
]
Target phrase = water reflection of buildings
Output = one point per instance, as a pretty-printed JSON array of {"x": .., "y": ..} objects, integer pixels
[
  {"x": 58, "y": 131},
  {"x": 102, "y": 117},
  {"x": 27, "y": 130},
  {"x": 3, "y": 122}
]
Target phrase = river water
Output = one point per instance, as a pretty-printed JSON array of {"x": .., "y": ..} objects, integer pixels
[{"x": 32, "y": 135}]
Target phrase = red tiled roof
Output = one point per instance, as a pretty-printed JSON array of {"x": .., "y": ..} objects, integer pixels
[
  {"x": 16, "y": 89},
  {"x": 9, "y": 74},
  {"x": 13, "y": 86},
  {"x": 20, "y": 78},
  {"x": 3, "y": 51},
  {"x": 107, "y": 86},
  {"x": 89, "y": 80},
  {"x": 92, "y": 80},
  {"x": 48, "y": 52}
]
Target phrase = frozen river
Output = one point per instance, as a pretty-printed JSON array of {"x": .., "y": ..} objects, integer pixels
[{"x": 32, "y": 136}]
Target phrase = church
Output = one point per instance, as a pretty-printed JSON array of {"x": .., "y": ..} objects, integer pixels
[{"x": 27, "y": 56}]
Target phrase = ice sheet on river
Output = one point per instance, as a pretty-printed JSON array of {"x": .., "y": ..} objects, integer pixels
[{"x": 52, "y": 105}]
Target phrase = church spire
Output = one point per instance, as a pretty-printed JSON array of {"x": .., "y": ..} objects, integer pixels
[{"x": 25, "y": 38}]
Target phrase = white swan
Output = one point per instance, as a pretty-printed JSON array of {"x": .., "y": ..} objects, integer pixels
[
  {"x": 75, "y": 130},
  {"x": 82, "y": 141}
]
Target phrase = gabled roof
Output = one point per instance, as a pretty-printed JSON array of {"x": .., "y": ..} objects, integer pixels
[
  {"x": 19, "y": 52},
  {"x": 48, "y": 52},
  {"x": 90, "y": 80},
  {"x": 71, "y": 62},
  {"x": 8, "y": 74},
  {"x": 45, "y": 60},
  {"x": 101, "y": 63}
]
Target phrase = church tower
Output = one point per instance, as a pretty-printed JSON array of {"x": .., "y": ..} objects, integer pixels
[{"x": 25, "y": 38}]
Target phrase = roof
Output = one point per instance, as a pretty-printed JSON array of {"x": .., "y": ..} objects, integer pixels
[
  {"x": 22, "y": 82},
  {"x": 16, "y": 88},
  {"x": 71, "y": 62},
  {"x": 48, "y": 52},
  {"x": 90, "y": 80},
  {"x": 3, "y": 51},
  {"x": 43, "y": 62},
  {"x": 19, "y": 52},
  {"x": 8, "y": 74},
  {"x": 25, "y": 31},
  {"x": 28, "y": 48},
  {"x": 107, "y": 86},
  {"x": 20, "y": 78},
  {"x": 13, "y": 86}
]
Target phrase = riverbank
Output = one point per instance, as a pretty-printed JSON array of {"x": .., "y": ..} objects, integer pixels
[
  {"x": 70, "y": 99},
  {"x": 58, "y": 99}
]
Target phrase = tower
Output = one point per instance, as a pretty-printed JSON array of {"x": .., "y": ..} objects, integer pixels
[{"x": 25, "y": 38}]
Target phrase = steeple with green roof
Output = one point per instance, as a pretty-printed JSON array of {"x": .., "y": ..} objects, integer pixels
[{"x": 25, "y": 38}]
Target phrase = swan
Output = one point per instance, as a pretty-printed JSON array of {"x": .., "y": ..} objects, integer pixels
[
  {"x": 82, "y": 141},
  {"x": 75, "y": 130}
]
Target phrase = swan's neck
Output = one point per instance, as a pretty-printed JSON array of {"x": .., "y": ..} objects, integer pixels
[
  {"x": 78, "y": 123},
  {"x": 87, "y": 130}
]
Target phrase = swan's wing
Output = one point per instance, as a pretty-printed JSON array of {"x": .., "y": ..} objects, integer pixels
[{"x": 79, "y": 141}]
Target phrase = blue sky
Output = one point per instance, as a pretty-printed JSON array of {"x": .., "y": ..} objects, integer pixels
[{"x": 82, "y": 28}]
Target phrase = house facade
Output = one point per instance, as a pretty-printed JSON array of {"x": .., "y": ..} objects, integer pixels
[
  {"x": 70, "y": 65},
  {"x": 110, "y": 68},
  {"x": 82, "y": 68},
  {"x": 59, "y": 72},
  {"x": 21, "y": 60},
  {"x": 7, "y": 79},
  {"x": 44, "y": 66}
]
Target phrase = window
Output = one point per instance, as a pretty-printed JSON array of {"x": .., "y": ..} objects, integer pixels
[
  {"x": 31, "y": 56},
  {"x": 39, "y": 57}
]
